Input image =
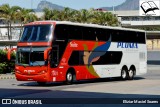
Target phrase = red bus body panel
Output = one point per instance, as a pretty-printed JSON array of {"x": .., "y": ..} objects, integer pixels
[{"x": 34, "y": 44}]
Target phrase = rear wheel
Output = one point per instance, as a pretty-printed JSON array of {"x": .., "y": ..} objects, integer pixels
[
  {"x": 124, "y": 74},
  {"x": 131, "y": 74}
]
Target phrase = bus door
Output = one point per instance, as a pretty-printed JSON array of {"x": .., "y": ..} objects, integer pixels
[{"x": 54, "y": 57}]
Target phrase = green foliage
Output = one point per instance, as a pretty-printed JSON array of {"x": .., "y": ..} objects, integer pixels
[
  {"x": 2, "y": 67},
  {"x": 81, "y": 16},
  {"x": 22, "y": 15},
  {"x": 5, "y": 65},
  {"x": 150, "y": 28},
  {"x": 14, "y": 14}
]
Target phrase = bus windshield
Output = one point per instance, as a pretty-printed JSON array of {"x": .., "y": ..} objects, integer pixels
[
  {"x": 30, "y": 58},
  {"x": 36, "y": 33}
]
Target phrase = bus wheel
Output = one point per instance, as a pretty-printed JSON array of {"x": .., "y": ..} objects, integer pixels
[
  {"x": 124, "y": 74},
  {"x": 69, "y": 77},
  {"x": 131, "y": 74},
  {"x": 41, "y": 83}
]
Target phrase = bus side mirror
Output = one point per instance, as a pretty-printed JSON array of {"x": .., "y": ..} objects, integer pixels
[
  {"x": 10, "y": 52},
  {"x": 46, "y": 53}
]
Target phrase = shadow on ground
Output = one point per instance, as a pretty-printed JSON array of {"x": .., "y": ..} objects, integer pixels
[
  {"x": 51, "y": 84},
  {"x": 51, "y": 98},
  {"x": 46, "y": 93}
]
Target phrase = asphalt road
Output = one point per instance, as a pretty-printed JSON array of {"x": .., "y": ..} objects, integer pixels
[{"x": 144, "y": 86}]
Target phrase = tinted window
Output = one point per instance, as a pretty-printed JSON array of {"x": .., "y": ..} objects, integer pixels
[
  {"x": 127, "y": 36},
  {"x": 76, "y": 58},
  {"x": 141, "y": 37},
  {"x": 35, "y": 58},
  {"x": 109, "y": 58},
  {"x": 62, "y": 46},
  {"x": 132, "y": 37},
  {"x": 44, "y": 33},
  {"x": 89, "y": 33},
  {"x": 67, "y": 32},
  {"x": 119, "y": 36},
  {"x": 54, "y": 57},
  {"x": 102, "y": 34},
  {"x": 36, "y": 33},
  {"x": 74, "y": 32},
  {"x": 61, "y": 32},
  {"x": 26, "y": 33}
]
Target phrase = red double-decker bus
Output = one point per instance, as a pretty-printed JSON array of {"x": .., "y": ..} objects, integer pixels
[{"x": 50, "y": 51}]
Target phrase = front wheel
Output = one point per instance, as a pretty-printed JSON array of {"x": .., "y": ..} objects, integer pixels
[
  {"x": 69, "y": 78},
  {"x": 124, "y": 74}
]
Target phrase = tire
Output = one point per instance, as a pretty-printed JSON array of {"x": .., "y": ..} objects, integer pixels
[
  {"x": 124, "y": 74},
  {"x": 69, "y": 78},
  {"x": 41, "y": 83},
  {"x": 131, "y": 74}
]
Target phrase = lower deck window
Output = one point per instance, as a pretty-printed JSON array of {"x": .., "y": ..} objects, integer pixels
[{"x": 80, "y": 58}]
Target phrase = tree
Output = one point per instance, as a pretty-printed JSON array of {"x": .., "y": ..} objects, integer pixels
[
  {"x": 16, "y": 14},
  {"x": 66, "y": 14},
  {"x": 56, "y": 15},
  {"x": 26, "y": 16},
  {"x": 111, "y": 19},
  {"x": 47, "y": 14},
  {"x": 9, "y": 13},
  {"x": 82, "y": 16}
]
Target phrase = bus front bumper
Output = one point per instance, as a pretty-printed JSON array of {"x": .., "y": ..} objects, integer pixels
[{"x": 38, "y": 78}]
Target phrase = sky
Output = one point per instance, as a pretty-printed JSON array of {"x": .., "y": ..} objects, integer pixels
[{"x": 74, "y": 4}]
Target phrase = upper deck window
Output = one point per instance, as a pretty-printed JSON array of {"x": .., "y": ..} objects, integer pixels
[{"x": 36, "y": 33}]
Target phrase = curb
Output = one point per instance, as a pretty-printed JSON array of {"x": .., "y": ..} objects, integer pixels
[{"x": 7, "y": 77}]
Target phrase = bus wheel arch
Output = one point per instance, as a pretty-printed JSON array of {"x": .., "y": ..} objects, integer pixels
[
  {"x": 131, "y": 72},
  {"x": 70, "y": 75},
  {"x": 124, "y": 72}
]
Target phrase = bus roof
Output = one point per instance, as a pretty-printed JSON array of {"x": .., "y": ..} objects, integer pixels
[{"x": 82, "y": 24}]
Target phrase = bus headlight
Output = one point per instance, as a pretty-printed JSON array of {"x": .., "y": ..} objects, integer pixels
[
  {"x": 18, "y": 72},
  {"x": 42, "y": 72}
]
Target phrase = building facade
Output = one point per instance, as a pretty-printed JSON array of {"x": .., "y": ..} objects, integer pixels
[{"x": 132, "y": 19}]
